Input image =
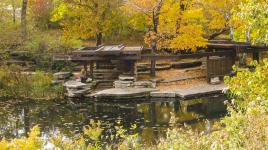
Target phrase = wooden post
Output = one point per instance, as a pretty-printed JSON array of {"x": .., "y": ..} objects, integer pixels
[
  {"x": 256, "y": 56},
  {"x": 153, "y": 62},
  {"x": 85, "y": 68},
  {"x": 91, "y": 69},
  {"x": 135, "y": 70},
  {"x": 208, "y": 74},
  {"x": 152, "y": 108}
]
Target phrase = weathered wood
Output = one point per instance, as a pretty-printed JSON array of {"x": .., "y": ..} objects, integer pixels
[
  {"x": 187, "y": 64},
  {"x": 185, "y": 56},
  {"x": 85, "y": 68},
  {"x": 219, "y": 67},
  {"x": 256, "y": 56},
  {"x": 91, "y": 69}
]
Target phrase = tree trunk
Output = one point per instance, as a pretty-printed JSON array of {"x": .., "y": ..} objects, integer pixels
[
  {"x": 23, "y": 18},
  {"x": 156, "y": 14},
  {"x": 14, "y": 11},
  {"x": 98, "y": 39},
  {"x": 232, "y": 33}
]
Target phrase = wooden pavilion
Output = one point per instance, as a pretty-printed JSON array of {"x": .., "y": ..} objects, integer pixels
[{"x": 107, "y": 62}]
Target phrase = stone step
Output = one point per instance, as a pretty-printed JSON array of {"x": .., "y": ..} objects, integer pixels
[
  {"x": 189, "y": 64},
  {"x": 123, "y": 84},
  {"x": 106, "y": 71},
  {"x": 101, "y": 79},
  {"x": 104, "y": 85},
  {"x": 104, "y": 81},
  {"x": 126, "y": 78}
]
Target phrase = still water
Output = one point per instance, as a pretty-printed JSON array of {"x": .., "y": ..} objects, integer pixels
[{"x": 70, "y": 116}]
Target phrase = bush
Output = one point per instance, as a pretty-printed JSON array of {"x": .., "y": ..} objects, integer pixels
[
  {"x": 15, "y": 83},
  {"x": 245, "y": 126}
]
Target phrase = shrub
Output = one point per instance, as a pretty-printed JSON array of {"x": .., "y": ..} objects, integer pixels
[{"x": 17, "y": 84}]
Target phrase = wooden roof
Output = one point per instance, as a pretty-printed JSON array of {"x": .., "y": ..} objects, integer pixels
[
  {"x": 238, "y": 46},
  {"x": 109, "y": 50},
  {"x": 104, "y": 52}
]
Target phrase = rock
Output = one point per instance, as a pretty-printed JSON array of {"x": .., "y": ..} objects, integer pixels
[
  {"x": 123, "y": 84},
  {"x": 215, "y": 80},
  {"x": 144, "y": 84},
  {"x": 89, "y": 80},
  {"x": 62, "y": 75},
  {"x": 56, "y": 82},
  {"x": 74, "y": 85},
  {"x": 77, "y": 89},
  {"x": 126, "y": 78},
  {"x": 77, "y": 92}
]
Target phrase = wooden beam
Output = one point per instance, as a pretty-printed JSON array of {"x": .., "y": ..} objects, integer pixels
[
  {"x": 91, "y": 69},
  {"x": 85, "y": 68},
  {"x": 145, "y": 57},
  {"x": 185, "y": 56},
  {"x": 256, "y": 56}
]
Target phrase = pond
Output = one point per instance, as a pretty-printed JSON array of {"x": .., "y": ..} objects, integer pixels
[{"x": 70, "y": 116}]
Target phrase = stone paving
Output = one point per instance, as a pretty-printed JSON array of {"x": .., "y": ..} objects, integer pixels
[{"x": 190, "y": 92}]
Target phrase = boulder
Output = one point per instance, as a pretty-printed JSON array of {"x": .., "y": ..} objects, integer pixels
[
  {"x": 75, "y": 85},
  {"x": 123, "y": 84}
]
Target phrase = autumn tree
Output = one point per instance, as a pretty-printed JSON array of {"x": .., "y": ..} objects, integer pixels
[
  {"x": 176, "y": 24},
  {"x": 9, "y": 24},
  {"x": 40, "y": 12},
  {"x": 219, "y": 17},
  {"x": 23, "y": 18},
  {"x": 85, "y": 19},
  {"x": 250, "y": 21}
]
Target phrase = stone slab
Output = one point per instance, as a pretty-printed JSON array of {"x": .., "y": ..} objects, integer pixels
[
  {"x": 74, "y": 85},
  {"x": 200, "y": 90},
  {"x": 126, "y": 78},
  {"x": 126, "y": 93},
  {"x": 163, "y": 94}
]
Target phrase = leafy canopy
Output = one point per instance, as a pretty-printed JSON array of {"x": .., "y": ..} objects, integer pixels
[{"x": 85, "y": 19}]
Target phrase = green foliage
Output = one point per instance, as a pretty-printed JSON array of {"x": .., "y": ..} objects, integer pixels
[
  {"x": 74, "y": 16},
  {"x": 250, "y": 85},
  {"x": 250, "y": 21},
  {"x": 33, "y": 142},
  {"x": 40, "y": 12},
  {"x": 15, "y": 83},
  {"x": 245, "y": 126}
]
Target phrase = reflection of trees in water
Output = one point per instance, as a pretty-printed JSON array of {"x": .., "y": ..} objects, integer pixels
[
  {"x": 68, "y": 118},
  {"x": 12, "y": 120}
]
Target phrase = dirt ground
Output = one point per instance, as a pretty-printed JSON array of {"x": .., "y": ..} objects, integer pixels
[
  {"x": 175, "y": 73},
  {"x": 181, "y": 84}
]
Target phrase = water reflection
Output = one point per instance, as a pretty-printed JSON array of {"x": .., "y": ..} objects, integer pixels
[{"x": 68, "y": 117}]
